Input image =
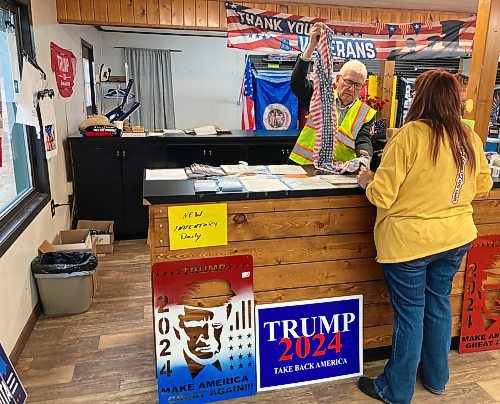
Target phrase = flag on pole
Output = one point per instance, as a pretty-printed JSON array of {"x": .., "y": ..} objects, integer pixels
[{"x": 248, "y": 112}]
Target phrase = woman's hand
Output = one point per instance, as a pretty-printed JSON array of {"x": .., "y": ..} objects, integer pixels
[
  {"x": 364, "y": 177},
  {"x": 313, "y": 39}
]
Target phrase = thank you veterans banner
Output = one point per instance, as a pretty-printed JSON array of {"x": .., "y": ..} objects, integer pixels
[
  {"x": 204, "y": 329},
  {"x": 254, "y": 29},
  {"x": 309, "y": 341}
]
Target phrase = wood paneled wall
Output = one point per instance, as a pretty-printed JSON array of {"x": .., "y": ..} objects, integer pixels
[
  {"x": 314, "y": 248},
  {"x": 211, "y": 14}
]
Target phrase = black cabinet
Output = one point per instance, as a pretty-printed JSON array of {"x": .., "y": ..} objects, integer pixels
[
  {"x": 108, "y": 172},
  {"x": 97, "y": 175},
  {"x": 276, "y": 153},
  {"x": 134, "y": 161}
]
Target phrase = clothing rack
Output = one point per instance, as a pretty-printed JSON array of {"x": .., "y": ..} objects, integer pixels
[{"x": 35, "y": 64}]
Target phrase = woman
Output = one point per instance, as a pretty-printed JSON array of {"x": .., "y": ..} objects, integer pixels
[{"x": 431, "y": 170}]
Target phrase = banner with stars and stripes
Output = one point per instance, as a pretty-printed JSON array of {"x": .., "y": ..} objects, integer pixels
[
  {"x": 204, "y": 329},
  {"x": 269, "y": 31}
]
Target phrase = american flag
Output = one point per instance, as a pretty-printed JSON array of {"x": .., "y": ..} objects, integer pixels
[
  {"x": 428, "y": 24},
  {"x": 380, "y": 27},
  {"x": 248, "y": 112}
]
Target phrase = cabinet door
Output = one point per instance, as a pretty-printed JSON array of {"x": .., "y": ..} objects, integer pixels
[
  {"x": 225, "y": 154},
  {"x": 272, "y": 153},
  {"x": 136, "y": 158},
  {"x": 97, "y": 175},
  {"x": 179, "y": 156}
]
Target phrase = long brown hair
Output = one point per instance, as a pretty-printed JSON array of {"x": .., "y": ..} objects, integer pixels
[{"x": 437, "y": 103}]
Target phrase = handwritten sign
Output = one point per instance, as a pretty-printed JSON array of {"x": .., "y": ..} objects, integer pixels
[{"x": 197, "y": 226}]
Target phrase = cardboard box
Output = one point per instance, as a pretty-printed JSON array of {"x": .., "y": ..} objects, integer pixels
[
  {"x": 104, "y": 242},
  {"x": 70, "y": 240}
]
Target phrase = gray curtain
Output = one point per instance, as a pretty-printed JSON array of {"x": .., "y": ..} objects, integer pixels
[{"x": 152, "y": 73}]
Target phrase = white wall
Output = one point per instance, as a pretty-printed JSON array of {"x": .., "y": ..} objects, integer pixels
[
  {"x": 207, "y": 75},
  {"x": 17, "y": 291}
]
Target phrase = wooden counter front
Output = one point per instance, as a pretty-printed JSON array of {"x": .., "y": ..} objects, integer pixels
[{"x": 313, "y": 248}]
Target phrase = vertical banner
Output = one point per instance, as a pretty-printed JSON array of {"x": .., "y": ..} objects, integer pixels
[
  {"x": 11, "y": 389},
  {"x": 48, "y": 118},
  {"x": 63, "y": 63},
  {"x": 309, "y": 341},
  {"x": 204, "y": 329},
  {"x": 480, "y": 329}
]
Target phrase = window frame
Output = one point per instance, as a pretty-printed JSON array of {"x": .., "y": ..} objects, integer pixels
[
  {"x": 88, "y": 53},
  {"x": 29, "y": 206}
]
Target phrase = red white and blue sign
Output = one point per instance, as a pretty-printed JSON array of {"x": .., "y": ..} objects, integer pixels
[
  {"x": 11, "y": 389},
  {"x": 309, "y": 341},
  {"x": 204, "y": 329}
]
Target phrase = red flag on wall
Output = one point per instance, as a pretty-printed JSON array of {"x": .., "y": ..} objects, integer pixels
[{"x": 63, "y": 63}]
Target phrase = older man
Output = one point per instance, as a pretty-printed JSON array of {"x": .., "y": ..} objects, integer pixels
[{"x": 355, "y": 118}]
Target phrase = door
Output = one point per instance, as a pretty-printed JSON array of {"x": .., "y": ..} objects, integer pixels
[
  {"x": 136, "y": 158},
  {"x": 225, "y": 154},
  {"x": 271, "y": 153},
  {"x": 97, "y": 175},
  {"x": 180, "y": 156}
]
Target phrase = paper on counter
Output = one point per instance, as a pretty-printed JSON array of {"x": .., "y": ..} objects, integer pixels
[
  {"x": 307, "y": 183},
  {"x": 242, "y": 169},
  {"x": 166, "y": 174},
  {"x": 284, "y": 169},
  {"x": 336, "y": 179},
  {"x": 263, "y": 185},
  {"x": 205, "y": 130}
]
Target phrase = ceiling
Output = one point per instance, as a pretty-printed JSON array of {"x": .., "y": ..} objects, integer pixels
[{"x": 466, "y": 6}]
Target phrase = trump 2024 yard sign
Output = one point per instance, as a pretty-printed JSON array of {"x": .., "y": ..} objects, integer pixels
[{"x": 309, "y": 341}]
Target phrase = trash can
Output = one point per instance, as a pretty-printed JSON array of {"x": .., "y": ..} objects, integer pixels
[{"x": 66, "y": 281}]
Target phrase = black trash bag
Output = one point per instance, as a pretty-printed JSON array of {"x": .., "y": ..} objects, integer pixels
[{"x": 64, "y": 262}]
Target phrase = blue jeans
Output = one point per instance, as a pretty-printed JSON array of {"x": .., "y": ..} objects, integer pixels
[{"x": 419, "y": 291}]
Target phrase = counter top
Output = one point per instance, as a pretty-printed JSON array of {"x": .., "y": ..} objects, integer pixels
[
  {"x": 247, "y": 135},
  {"x": 182, "y": 191}
]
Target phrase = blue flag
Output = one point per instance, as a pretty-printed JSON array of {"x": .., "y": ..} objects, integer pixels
[
  {"x": 392, "y": 28},
  {"x": 276, "y": 108}
]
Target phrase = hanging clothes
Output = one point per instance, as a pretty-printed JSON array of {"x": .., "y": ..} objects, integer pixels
[{"x": 323, "y": 107}]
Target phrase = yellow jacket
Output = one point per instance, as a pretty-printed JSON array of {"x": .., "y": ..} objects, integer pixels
[{"x": 421, "y": 208}]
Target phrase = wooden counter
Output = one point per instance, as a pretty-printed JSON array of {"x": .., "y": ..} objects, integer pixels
[{"x": 314, "y": 247}]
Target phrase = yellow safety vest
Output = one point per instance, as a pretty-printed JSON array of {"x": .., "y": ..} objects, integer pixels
[
  {"x": 356, "y": 116},
  {"x": 469, "y": 122}
]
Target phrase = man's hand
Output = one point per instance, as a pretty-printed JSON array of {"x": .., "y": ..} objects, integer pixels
[
  {"x": 364, "y": 177},
  {"x": 314, "y": 38}
]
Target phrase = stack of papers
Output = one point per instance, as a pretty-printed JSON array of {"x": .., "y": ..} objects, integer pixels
[
  {"x": 336, "y": 179},
  {"x": 206, "y": 170},
  {"x": 263, "y": 185},
  {"x": 285, "y": 169},
  {"x": 166, "y": 174},
  {"x": 243, "y": 169},
  {"x": 307, "y": 183},
  {"x": 230, "y": 185},
  {"x": 205, "y": 130},
  {"x": 202, "y": 186}
]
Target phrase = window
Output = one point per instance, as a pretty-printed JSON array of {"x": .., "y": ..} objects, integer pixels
[
  {"x": 23, "y": 169},
  {"x": 88, "y": 77}
]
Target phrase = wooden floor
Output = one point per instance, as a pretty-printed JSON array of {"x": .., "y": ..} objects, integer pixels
[{"x": 106, "y": 354}]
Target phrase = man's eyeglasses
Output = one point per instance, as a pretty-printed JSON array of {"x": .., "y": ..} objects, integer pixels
[{"x": 349, "y": 83}]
